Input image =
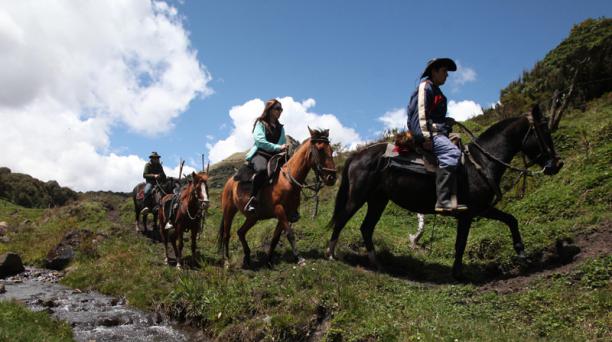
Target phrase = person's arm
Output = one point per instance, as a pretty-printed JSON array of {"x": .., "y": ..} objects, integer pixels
[
  {"x": 146, "y": 174},
  {"x": 259, "y": 135},
  {"x": 424, "y": 97}
]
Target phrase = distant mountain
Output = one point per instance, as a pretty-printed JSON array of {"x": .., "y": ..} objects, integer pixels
[{"x": 30, "y": 192}]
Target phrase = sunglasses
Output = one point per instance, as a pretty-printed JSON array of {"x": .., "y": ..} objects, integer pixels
[{"x": 278, "y": 108}]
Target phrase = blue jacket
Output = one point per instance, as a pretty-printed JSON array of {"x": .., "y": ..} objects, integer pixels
[
  {"x": 427, "y": 112},
  {"x": 261, "y": 142}
]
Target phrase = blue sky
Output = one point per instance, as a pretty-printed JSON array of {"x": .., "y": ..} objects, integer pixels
[{"x": 347, "y": 63}]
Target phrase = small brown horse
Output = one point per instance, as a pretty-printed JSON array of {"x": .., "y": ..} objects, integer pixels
[
  {"x": 192, "y": 203},
  {"x": 278, "y": 199}
]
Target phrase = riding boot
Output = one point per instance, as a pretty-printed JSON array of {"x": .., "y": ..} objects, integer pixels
[
  {"x": 258, "y": 180},
  {"x": 444, "y": 180},
  {"x": 446, "y": 189}
]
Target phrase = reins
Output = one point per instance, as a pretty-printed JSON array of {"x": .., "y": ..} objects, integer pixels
[{"x": 318, "y": 184}]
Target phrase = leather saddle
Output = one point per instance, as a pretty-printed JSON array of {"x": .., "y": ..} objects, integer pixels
[
  {"x": 404, "y": 155},
  {"x": 245, "y": 173}
]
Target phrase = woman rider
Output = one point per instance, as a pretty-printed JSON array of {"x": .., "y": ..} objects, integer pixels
[
  {"x": 269, "y": 136},
  {"x": 430, "y": 127}
]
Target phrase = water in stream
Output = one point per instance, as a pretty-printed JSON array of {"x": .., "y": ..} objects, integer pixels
[{"x": 93, "y": 316}]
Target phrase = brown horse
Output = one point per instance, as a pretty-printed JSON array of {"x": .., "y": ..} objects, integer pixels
[
  {"x": 192, "y": 204},
  {"x": 279, "y": 199}
]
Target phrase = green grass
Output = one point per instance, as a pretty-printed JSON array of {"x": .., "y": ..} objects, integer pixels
[
  {"x": 17, "y": 324},
  {"x": 415, "y": 300}
]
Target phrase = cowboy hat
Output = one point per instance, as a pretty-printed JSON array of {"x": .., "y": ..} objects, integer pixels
[
  {"x": 437, "y": 62},
  {"x": 154, "y": 155}
]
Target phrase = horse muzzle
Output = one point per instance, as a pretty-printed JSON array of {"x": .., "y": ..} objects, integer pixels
[
  {"x": 330, "y": 179},
  {"x": 205, "y": 205},
  {"x": 553, "y": 166}
]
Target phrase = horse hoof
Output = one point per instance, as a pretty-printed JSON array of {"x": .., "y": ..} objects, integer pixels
[
  {"x": 329, "y": 256},
  {"x": 179, "y": 267},
  {"x": 226, "y": 265},
  {"x": 301, "y": 261},
  {"x": 166, "y": 261}
]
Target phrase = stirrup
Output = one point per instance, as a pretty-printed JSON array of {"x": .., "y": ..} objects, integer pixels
[
  {"x": 250, "y": 206},
  {"x": 144, "y": 211},
  {"x": 168, "y": 226}
]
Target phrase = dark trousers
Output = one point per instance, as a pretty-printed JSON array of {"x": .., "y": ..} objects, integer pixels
[{"x": 260, "y": 165}]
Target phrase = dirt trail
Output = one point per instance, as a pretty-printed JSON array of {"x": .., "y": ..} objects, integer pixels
[{"x": 555, "y": 259}]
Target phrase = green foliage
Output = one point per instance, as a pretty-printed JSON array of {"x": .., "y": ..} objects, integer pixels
[
  {"x": 32, "y": 193},
  {"x": 587, "y": 49},
  {"x": 19, "y": 324}
]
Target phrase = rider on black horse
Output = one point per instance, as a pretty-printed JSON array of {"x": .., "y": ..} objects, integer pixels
[
  {"x": 153, "y": 174},
  {"x": 430, "y": 127}
]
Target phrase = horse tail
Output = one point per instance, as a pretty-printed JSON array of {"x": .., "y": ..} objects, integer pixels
[
  {"x": 341, "y": 196},
  {"x": 226, "y": 200}
]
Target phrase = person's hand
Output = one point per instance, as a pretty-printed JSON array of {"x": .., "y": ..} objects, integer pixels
[
  {"x": 284, "y": 147},
  {"x": 156, "y": 176},
  {"x": 450, "y": 121}
]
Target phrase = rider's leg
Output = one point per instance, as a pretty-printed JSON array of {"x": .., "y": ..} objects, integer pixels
[
  {"x": 147, "y": 195},
  {"x": 260, "y": 164},
  {"x": 446, "y": 181}
]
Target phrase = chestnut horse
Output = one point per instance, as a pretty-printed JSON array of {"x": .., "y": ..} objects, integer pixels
[
  {"x": 192, "y": 204},
  {"x": 279, "y": 199}
]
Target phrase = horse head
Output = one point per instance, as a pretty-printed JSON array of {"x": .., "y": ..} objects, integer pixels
[
  {"x": 538, "y": 145},
  {"x": 321, "y": 156},
  {"x": 200, "y": 188}
]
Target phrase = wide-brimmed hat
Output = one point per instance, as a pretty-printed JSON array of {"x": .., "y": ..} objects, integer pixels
[
  {"x": 436, "y": 62},
  {"x": 154, "y": 155}
]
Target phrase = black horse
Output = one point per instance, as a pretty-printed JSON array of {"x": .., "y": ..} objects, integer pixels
[
  {"x": 365, "y": 181},
  {"x": 152, "y": 203}
]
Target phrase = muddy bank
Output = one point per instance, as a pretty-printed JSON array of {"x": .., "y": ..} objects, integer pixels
[{"x": 93, "y": 316}]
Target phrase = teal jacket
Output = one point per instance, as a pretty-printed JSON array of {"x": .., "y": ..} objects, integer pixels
[{"x": 259, "y": 135}]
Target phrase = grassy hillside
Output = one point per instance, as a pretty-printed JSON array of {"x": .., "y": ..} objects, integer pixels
[
  {"x": 30, "y": 192},
  {"x": 413, "y": 298}
]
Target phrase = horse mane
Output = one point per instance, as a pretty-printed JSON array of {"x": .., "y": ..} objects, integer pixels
[{"x": 498, "y": 127}]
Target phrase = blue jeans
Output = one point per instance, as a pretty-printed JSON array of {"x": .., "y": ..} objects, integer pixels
[
  {"x": 447, "y": 153},
  {"x": 147, "y": 189}
]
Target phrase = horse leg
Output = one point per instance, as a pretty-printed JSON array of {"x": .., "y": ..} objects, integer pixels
[
  {"x": 330, "y": 253},
  {"x": 414, "y": 238},
  {"x": 173, "y": 236},
  {"x": 291, "y": 238},
  {"x": 376, "y": 206},
  {"x": 248, "y": 224},
  {"x": 512, "y": 223},
  {"x": 194, "y": 236},
  {"x": 277, "y": 233},
  {"x": 179, "y": 256},
  {"x": 137, "y": 214},
  {"x": 164, "y": 237},
  {"x": 463, "y": 230},
  {"x": 228, "y": 218}
]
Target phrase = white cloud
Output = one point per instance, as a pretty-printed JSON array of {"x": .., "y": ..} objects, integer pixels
[
  {"x": 460, "y": 77},
  {"x": 71, "y": 71},
  {"x": 395, "y": 118},
  {"x": 296, "y": 117},
  {"x": 463, "y": 110}
]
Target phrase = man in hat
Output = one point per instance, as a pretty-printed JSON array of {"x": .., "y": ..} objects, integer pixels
[
  {"x": 430, "y": 127},
  {"x": 153, "y": 173}
]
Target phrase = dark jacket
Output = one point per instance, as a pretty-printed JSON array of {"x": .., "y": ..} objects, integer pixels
[
  {"x": 427, "y": 112},
  {"x": 151, "y": 168}
]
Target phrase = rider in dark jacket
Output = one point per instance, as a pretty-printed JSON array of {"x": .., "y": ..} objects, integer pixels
[
  {"x": 430, "y": 126},
  {"x": 153, "y": 173}
]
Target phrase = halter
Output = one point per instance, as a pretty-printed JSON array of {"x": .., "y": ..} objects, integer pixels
[
  {"x": 318, "y": 169},
  {"x": 535, "y": 127},
  {"x": 200, "y": 212}
]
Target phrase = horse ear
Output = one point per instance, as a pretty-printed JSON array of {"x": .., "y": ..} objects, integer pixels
[
  {"x": 310, "y": 131},
  {"x": 325, "y": 133}
]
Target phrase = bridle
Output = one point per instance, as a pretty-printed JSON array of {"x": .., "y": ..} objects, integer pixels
[
  {"x": 201, "y": 210},
  {"x": 536, "y": 128},
  {"x": 318, "y": 170}
]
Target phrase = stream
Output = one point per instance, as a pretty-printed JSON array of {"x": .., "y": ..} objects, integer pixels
[{"x": 92, "y": 316}]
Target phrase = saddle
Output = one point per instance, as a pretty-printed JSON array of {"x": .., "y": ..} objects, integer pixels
[
  {"x": 404, "y": 155},
  {"x": 245, "y": 173}
]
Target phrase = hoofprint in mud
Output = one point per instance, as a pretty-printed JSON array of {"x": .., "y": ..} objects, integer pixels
[{"x": 93, "y": 316}]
